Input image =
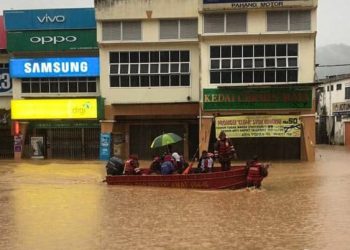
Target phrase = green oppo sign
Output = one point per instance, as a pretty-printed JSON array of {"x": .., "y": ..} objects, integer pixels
[
  {"x": 257, "y": 98},
  {"x": 51, "y": 40}
]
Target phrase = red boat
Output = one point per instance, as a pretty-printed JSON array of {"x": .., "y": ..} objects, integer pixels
[{"x": 232, "y": 179}]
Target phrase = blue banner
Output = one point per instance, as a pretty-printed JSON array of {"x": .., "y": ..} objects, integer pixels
[
  {"x": 54, "y": 67},
  {"x": 105, "y": 146},
  {"x": 50, "y": 19}
]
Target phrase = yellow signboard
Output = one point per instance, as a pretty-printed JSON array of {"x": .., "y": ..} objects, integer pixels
[
  {"x": 53, "y": 109},
  {"x": 259, "y": 126}
]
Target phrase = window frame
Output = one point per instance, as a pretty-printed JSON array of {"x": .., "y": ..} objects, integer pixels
[
  {"x": 225, "y": 23},
  {"x": 288, "y": 21}
]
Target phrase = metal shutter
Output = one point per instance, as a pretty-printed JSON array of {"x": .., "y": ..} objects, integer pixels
[
  {"x": 300, "y": 20},
  {"x": 214, "y": 23},
  {"x": 110, "y": 31},
  {"x": 236, "y": 22},
  {"x": 188, "y": 29},
  {"x": 132, "y": 30},
  {"x": 169, "y": 29},
  {"x": 277, "y": 21}
]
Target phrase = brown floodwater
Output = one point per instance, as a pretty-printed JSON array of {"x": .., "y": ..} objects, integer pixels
[{"x": 65, "y": 205}]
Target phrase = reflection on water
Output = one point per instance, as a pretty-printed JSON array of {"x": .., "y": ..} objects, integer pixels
[{"x": 63, "y": 205}]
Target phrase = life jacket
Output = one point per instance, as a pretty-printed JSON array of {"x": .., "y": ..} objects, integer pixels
[
  {"x": 129, "y": 167},
  {"x": 254, "y": 173}
]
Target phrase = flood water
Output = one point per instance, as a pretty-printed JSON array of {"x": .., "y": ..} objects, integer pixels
[{"x": 65, "y": 205}]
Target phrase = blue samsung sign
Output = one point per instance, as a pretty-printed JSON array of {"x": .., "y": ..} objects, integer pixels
[
  {"x": 55, "y": 67},
  {"x": 50, "y": 19}
]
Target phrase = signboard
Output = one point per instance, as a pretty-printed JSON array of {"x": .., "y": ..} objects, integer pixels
[
  {"x": 341, "y": 108},
  {"x": 50, "y": 19},
  {"x": 105, "y": 146},
  {"x": 37, "y": 145},
  {"x": 54, "y": 67},
  {"x": 51, "y": 40},
  {"x": 54, "y": 109},
  {"x": 17, "y": 145},
  {"x": 2, "y": 34},
  {"x": 253, "y": 4},
  {"x": 259, "y": 126},
  {"x": 5, "y": 83},
  {"x": 257, "y": 98}
]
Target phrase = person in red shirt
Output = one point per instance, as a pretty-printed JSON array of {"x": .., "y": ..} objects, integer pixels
[
  {"x": 224, "y": 151},
  {"x": 256, "y": 172},
  {"x": 131, "y": 166}
]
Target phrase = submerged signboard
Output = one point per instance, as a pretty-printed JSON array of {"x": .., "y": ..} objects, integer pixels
[
  {"x": 54, "y": 109},
  {"x": 51, "y": 40},
  {"x": 50, "y": 19},
  {"x": 54, "y": 67}
]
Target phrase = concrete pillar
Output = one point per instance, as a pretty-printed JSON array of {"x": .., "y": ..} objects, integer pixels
[
  {"x": 107, "y": 126},
  {"x": 23, "y": 127},
  {"x": 308, "y": 138},
  {"x": 204, "y": 132}
]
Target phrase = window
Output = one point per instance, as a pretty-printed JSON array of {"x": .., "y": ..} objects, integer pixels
[
  {"x": 332, "y": 87},
  {"x": 338, "y": 118},
  {"x": 259, "y": 63},
  {"x": 225, "y": 23},
  {"x": 288, "y": 20},
  {"x": 178, "y": 29},
  {"x": 59, "y": 85},
  {"x": 347, "y": 93},
  {"x": 339, "y": 86},
  {"x": 121, "y": 30},
  {"x": 150, "y": 68}
]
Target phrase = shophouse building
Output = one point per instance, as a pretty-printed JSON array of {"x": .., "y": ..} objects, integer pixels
[
  {"x": 333, "y": 110},
  {"x": 6, "y": 138},
  {"x": 54, "y": 68},
  {"x": 197, "y": 67}
]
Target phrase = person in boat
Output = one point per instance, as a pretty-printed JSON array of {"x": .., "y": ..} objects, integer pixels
[
  {"x": 224, "y": 151},
  {"x": 256, "y": 172},
  {"x": 167, "y": 166},
  {"x": 206, "y": 162},
  {"x": 131, "y": 166},
  {"x": 155, "y": 165},
  {"x": 115, "y": 166}
]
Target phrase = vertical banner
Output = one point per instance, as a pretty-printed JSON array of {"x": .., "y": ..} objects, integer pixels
[
  {"x": 105, "y": 146},
  {"x": 17, "y": 146},
  {"x": 37, "y": 143}
]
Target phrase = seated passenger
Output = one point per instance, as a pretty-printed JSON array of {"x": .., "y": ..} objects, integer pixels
[
  {"x": 206, "y": 162},
  {"x": 155, "y": 165},
  {"x": 131, "y": 166},
  {"x": 167, "y": 166},
  {"x": 115, "y": 166}
]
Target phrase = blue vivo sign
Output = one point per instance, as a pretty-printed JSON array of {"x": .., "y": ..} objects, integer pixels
[
  {"x": 50, "y": 19},
  {"x": 54, "y": 67},
  {"x": 105, "y": 146}
]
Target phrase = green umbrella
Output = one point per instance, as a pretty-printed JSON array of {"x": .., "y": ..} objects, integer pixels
[{"x": 165, "y": 139}]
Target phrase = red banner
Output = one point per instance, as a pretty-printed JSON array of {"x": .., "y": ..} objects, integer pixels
[{"x": 2, "y": 34}]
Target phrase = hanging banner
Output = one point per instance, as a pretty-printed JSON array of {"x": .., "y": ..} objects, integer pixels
[
  {"x": 259, "y": 126},
  {"x": 105, "y": 146}
]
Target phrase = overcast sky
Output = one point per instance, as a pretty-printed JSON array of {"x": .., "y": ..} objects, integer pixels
[{"x": 333, "y": 21}]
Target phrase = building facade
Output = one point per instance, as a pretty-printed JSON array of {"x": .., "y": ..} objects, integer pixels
[
  {"x": 6, "y": 138},
  {"x": 197, "y": 67},
  {"x": 333, "y": 110},
  {"x": 54, "y": 67}
]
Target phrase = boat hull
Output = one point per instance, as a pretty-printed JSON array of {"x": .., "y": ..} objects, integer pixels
[{"x": 232, "y": 179}]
